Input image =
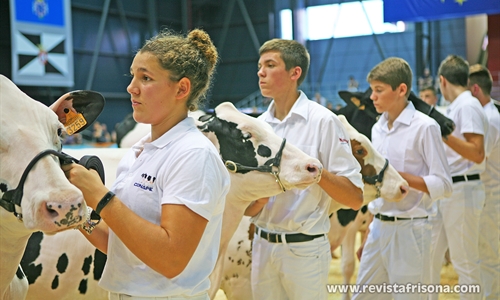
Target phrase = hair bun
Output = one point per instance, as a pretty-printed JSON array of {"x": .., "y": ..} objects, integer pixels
[{"x": 202, "y": 41}]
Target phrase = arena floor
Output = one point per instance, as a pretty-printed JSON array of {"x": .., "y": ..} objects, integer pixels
[{"x": 448, "y": 276}]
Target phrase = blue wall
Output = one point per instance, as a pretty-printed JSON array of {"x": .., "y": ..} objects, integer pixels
[{"x": 236, "y": 75}]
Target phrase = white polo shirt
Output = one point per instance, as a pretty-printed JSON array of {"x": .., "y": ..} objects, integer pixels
[
  {"x": 413, "y": 145},
  {"x": 181, "y": 167},
  {"x": 491, "y": 174},
  {"x": 469, "y": 117},
  {"x": 318, "y": 132}
]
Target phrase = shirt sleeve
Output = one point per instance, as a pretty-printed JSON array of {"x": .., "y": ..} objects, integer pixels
[
  {"x": 438, "y": 180},
  {"x": 336, "y": 153},
  {"x": 196, "y": 180},
  {"x": 471, "y": 119}
]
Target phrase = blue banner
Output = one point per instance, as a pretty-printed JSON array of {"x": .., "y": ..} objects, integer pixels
[
  {"x": 429, "y": 10},
  {"x": 47, "y": 12},
  {"x": 42, "y": 43}
]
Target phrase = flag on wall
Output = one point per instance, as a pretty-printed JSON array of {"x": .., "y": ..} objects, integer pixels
[
  {"x": 42, "y": 53},
  {"x": 429, "y": 10}
]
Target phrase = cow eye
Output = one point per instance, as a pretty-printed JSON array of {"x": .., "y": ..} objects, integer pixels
[
  {"x": 246, "y": 136},
  {"x": 359, "y": 151},
  {"x": 59, "y": 131}
]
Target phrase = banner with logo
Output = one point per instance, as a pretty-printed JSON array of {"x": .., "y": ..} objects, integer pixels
[
  {"x": 429, "y": 10},
  {"x": 42, "y": 46}
]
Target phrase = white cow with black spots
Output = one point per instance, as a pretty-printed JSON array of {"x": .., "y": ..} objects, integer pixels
[{"x": 45, "y": 201}]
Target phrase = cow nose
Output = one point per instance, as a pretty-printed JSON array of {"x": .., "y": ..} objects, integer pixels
[
  {"x": 314, "y": 170},
  {"x": 66, "y": 213},
  {"x": 404, "y": 190}
]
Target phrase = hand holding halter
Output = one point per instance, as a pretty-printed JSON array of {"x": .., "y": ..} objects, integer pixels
[{"x": 13, "y": 197}]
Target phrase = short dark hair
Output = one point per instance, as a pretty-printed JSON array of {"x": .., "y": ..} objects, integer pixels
[
  {"x": 392, "y": 71},
  {"x": 293, "y": 53},
  {"x": 429, "y": 88},
  {"x": 455, "y": 69},
  {"x": 481, "y": 76}
]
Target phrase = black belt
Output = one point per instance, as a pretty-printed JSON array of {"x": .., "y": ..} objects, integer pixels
[
  {"x": 290, "y": 237},
  {"x": 392, "y": 219},
  {"x": 465, "y": 178}
]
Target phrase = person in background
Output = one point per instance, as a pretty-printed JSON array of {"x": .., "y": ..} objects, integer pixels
[
  {"x": 100, "y": 133},
  {"x": 161, "y": 231},
  {"x": 352, "y": 84},
  {"x": 320, "y": 99},
  {"x": 426, "y": 79},
  {"x": 480, "y": 85},
  {"x": 397, "y": 249},
  {"x": 74, "y": 139},
  {"x": 429, "y": 95},
  {"x": 291, "y": 252},
  {"x": 456, "y": 224}
]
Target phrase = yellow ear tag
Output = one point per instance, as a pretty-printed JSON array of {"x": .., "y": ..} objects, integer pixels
[{"x": 74, "y": 121}]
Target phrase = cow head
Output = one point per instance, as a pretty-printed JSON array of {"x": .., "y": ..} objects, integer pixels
[
  {"x": 380, "y": 178},
  {"x": 249, "y": 142},
  {"x": 362, "y": 101},
  {"x": 49, "y": 202},
  {"x": 447, "y": 125}
]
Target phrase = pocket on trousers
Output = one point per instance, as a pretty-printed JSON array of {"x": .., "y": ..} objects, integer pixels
[{"x": 307, "y": 249}]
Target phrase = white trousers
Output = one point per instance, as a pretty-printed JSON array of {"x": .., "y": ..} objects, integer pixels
[
  {"x": 395, "y": 253},
  {"x": 116, "y": 296},
  {"x": 489, "y": 236},
  {"x": 283, "y": 271},
  {"x": 456, "y": 226}
]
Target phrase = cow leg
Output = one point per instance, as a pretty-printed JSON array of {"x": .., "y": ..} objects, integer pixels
[
  {"x": 347, "y": 262},
  {"x": 216, "y": 275},
  {"x": 236, "y": 274},
  {"x": 336, "y": 233},
  {"x": 18, "y": 287}
]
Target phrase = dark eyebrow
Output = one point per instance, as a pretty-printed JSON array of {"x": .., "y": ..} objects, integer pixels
[
  {"x": 269, "y": 60},
  {"x": 144, "y": 70}
]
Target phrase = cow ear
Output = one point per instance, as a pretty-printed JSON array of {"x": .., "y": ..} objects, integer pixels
[{"x": 77, "y": 110}]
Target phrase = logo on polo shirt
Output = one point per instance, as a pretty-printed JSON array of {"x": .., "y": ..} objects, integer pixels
[
  {"x": 146, "y": 183},
  {"x": 343, "y": 141}
]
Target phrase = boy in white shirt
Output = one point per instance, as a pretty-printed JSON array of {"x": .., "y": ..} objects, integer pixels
[
  {"x": 290, "y": 251},
  {"x": 456, "y": 225},
  {"x": 480, "y": 85},
  {"x": 397, "y": 249}
]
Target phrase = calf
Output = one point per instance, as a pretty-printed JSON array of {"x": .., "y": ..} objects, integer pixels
[{"x": 36, "y": 196}]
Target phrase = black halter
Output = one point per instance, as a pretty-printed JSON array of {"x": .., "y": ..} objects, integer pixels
[
  {"x": 11, "y": 198},
  {"x": 271, "y": 166},
  {"x": 376, "y": 180}
]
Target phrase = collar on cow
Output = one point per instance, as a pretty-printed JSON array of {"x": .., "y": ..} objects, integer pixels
[
  {"x": 11, "y": 198},
  {"x": 377, "y": 179},
  {"x": 271, "y": 166}
]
